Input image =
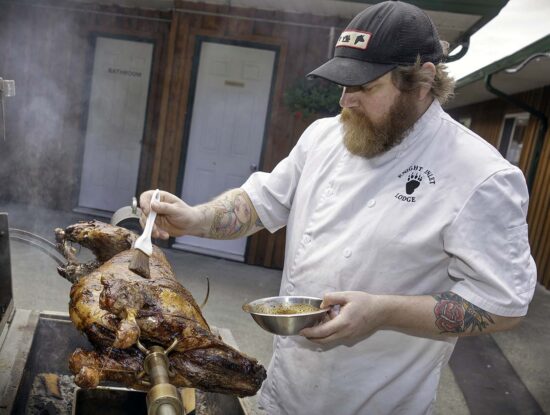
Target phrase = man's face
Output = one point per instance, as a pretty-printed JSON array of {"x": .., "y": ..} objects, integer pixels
[{"x": 376, "y": 116}]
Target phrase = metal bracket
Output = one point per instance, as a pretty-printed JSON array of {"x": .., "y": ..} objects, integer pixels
[
  {"x": 147, "y": 351},
  {"x": 7, "y": 89},
  {"x": 141, "y": 376},
  {"x": 464, "y": 46}
]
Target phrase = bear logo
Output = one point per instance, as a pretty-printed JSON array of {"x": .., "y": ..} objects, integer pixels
[
  {"x": 345, "y": 39},
  {"x": 413, "y": 181}
]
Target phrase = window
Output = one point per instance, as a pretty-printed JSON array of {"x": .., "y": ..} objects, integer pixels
[{"x": 511, "y": 138}]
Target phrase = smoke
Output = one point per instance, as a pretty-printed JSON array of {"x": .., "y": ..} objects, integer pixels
[
  {"x": 47, "y": 51},
  {"x": 41, "y": 49}
]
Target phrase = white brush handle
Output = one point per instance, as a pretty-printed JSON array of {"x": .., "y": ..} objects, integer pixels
[{"x": 143, "y": 243}]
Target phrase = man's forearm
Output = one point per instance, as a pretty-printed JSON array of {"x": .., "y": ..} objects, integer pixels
[
  {"x": 442, "y": 315},
  {"x": 229, "y": 216}
]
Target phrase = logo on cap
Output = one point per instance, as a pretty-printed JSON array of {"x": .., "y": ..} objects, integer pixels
[{"x": 354, "y": 39}]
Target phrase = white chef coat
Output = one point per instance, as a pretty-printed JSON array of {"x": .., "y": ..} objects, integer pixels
[{"x": 440, "y": 211}]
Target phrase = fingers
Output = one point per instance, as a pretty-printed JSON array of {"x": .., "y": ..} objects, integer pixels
[
  {"x": 145, "y": 201},
  {"x": 325, "y": 332},
  {"x": 334, "y": 311},
  {"x": 166, "y": 197},
  {"x": 326, "y": 340},
  {"x": 169, "y": 205},
  {"x": 353, "y": 316},
  {"x": 336, "y": 298},
  {"x": 159, "y": 233},
  {"x": 165, "y": 208},
  {"x": 322, "y": 331}
]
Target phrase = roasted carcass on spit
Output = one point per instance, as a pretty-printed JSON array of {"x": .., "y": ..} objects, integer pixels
[{"x": 115, "y": 308}]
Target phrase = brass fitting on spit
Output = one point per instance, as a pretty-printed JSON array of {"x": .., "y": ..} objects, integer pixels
[{"x": 163, "y": 398}]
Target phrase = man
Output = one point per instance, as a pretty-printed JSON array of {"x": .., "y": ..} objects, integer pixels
[{"x": 410, "y": 223}]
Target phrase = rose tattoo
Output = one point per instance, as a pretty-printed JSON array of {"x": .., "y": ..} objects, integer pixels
[{"x": 453, "y": 314}]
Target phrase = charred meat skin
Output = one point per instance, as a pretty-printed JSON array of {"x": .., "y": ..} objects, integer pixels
[
  {"x": 212, "y": 370},
  {"x": 115, "y": 307}
]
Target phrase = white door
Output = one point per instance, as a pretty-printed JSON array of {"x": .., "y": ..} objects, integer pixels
[
  {"x": 116, "y": 118},
  {"x": 227, "y": 129}
]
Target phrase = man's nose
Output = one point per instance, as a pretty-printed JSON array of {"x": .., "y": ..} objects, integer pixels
[{"x": 348, "y": 99}]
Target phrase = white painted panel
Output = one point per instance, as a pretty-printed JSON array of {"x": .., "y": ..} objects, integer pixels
[
  {"x": 116, "y": 119},
  {"x": 227, "y": 129}
]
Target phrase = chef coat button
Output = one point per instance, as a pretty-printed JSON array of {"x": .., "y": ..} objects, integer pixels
[
  {"x": 347, "y": 252},
  {"x": 371, "y": 203},
  {"x": 307, "y": 239}
]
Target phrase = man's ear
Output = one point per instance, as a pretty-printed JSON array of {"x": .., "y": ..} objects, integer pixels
[{"x": 429, "y": 69}]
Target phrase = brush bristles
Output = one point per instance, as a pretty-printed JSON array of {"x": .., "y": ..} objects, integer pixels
[{"x": 140, "y": 264}]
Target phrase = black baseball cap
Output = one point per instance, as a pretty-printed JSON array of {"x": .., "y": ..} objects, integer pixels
[{"x": 377, "y": 40}]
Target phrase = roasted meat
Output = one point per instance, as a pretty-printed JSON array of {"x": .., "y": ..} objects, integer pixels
[{"x": 115, "y": 308}]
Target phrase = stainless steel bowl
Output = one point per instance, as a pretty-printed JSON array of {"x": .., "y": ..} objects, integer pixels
[{"x": 264, "y": 310}]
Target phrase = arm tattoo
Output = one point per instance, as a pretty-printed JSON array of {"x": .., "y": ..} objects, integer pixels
[
  {"x": 233, "y": 216},
  {"x": 454, "y": 314}
]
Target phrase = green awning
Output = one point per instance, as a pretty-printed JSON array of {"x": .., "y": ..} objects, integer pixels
[
  {"x": 456, "y": 20},
  {"x": 535, "y": 74}
]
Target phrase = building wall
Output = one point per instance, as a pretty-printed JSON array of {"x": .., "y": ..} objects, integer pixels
[
  {"x": 487, "y": 118},
  {"x": 47, "y": 48}
]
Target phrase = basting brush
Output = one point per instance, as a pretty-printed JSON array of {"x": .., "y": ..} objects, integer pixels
[{"x": 143, "y": 248}]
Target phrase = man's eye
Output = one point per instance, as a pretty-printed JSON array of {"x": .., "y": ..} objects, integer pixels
[{"x": 352, "y": 89}]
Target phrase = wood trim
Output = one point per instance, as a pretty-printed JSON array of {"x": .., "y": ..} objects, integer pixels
[
  {"x": 165, "y": 98},
  {"x": 301, "y": 47}
]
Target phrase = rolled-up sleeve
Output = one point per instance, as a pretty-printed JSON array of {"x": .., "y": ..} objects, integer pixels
[
  {"x": 272, "y": 193},
  {"x": 489, "y": 246}
]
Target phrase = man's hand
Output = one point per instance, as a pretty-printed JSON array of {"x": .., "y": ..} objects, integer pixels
[
  {"x": 437, "y": 317},
  {"x": 174, "y": 216},
  {"x": 360, "y": 316},
  {"x": 229, "y": 216}
]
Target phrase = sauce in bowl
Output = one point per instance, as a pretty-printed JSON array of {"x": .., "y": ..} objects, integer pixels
[{"x": 286, "y": 309}]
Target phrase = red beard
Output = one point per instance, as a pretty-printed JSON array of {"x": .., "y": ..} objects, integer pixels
[{"x": 365, "y": 138}]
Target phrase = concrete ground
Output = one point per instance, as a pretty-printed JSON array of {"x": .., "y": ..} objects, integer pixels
[{"x": 36, "y": 285}]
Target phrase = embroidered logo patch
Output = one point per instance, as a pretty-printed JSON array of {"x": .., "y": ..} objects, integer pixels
[
  {"x": 415, "y": 177},
  {"x": 354, "y": 39}
]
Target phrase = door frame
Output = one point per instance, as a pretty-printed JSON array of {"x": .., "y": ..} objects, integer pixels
[
  {"x": 199, "y": 40},
  {"x": 87, "y": 95}
]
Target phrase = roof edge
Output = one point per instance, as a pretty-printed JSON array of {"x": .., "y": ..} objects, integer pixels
[
  {"x": 477, "y": 7},
  {"x": 541, "y": 45},
  {"x": 487, "y": 10}
]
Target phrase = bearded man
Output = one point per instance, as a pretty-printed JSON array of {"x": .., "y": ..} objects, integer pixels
[{"x": 412, "y": 228}]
